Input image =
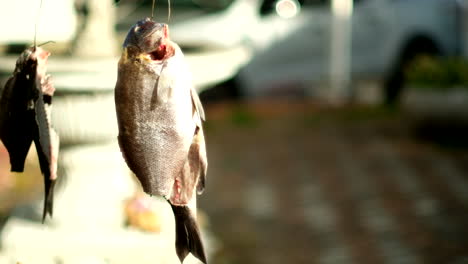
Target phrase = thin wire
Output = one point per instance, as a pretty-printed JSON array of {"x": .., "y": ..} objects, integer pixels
[
  {"x": 37, "y": 22},
  {"x": 45, "y": 43},
  {"x": 168, "y": 10}
]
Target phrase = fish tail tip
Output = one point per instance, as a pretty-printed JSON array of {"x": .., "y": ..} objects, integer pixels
[
  {"x": 48, "y": 201},
  {"x": 48, "y": 211},
  {"x": 45, "y": 213},
  {"x": 188, "y": 238}
]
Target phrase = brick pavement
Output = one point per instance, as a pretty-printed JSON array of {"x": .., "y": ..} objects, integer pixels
[{"x": 296, "y": 184}]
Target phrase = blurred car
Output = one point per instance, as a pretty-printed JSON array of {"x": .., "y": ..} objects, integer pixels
[
  {"x": 386, "y": 36},
  {"x": 267, "y": 46},
  {"x": 198, "y": 26}
]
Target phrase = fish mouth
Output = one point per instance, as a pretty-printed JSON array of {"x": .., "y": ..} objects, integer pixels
[
  {"x": 41, "y": 56},
  {"x": 164, "y": 49},
  {"x": 159, "y": 53}
]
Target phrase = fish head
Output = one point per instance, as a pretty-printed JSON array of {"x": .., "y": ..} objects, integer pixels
[
  {"x": 33, "y": 57},
  {"x": 150, "y": 39}
]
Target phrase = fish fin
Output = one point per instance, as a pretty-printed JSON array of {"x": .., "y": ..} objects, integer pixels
[
  {"x": 199, "y": 139},
  {"x": 201, "y": 184},
  {"x": 16, "y": 128},
  {"x": 188, "y": 239},
  {"x": 43, "y": 137},
  {"x": 46, "y": 141},
  {"x": 44, "y": 164},
  {"x": 18, "y": 151},
  {"x": 197, "y": 105},
  {"x": 199, "y": 153},
  {"x": 42, "y": 141},
  {"x": 154, "y": 96},
  {"x": 192, "y": 174},
  {"x": 161, "y": 91},
  {"x": 48, "y": 198}
]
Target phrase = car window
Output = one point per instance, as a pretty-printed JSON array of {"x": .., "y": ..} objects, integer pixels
[
  {"x": 268, "y": 6},
  {"x": 209, "y": 4},
  {"x": 315, "y": 2},
  {"x": 213, "y": 4}
]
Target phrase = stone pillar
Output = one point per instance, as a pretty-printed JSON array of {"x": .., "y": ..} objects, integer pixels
[
  {"x": 96, "y": 35},
  {"x": 96, "y": 180},
  {"x": 340, "y": 50}
]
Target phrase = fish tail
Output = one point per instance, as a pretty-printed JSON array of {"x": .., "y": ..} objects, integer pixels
[
  {"x": 188, "y": 238},
  {"x": 18, "y": 153},
  {"x": 17, "y": 164},
  {"x": 48, "y": 199}
]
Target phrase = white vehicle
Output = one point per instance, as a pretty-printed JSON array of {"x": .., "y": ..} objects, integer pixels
[{"x": 252, "y": 44}]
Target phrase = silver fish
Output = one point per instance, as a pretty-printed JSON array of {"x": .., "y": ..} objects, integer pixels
[{"x": 160, "y": 126}]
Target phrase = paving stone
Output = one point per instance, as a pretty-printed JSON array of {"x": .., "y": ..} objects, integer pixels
[{"x": 301, "y": 185}]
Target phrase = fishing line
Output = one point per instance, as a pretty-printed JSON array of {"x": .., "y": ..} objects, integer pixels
[
  {"x": 45, "y": 43},
  {"x": 37, "y": 22},
  {"x": 168, "y": 10}
]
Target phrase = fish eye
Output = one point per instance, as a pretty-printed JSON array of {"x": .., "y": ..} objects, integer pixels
[{"x": 26, "y": 54}]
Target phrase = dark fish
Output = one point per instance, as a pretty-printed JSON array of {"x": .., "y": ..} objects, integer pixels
[
  {"x": 25, "y": 107},
  {"x": 160, "y": 126}
]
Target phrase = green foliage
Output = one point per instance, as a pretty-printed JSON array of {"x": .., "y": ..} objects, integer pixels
[
  {"x": 241, "y": 116},
  {"x": 426, "y": 72}
]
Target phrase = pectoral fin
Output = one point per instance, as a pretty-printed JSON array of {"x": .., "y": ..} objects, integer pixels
[
  {"x": 16, "y": 125},
  {"x": 197, "y": 105},
  {"x": 46, "y": 141},
  {"x": 200, "y": 157}
]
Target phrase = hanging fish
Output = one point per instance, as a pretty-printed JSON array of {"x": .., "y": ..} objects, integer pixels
[
  {"x": 25, "y": 108},
  {"x": 160, "y": 126}
]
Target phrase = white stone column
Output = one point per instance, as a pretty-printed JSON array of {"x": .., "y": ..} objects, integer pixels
[
  {"x": 340, "y": 49},
  {"x": 95, "y": 181},
  {"x": 96, "y": 37}
]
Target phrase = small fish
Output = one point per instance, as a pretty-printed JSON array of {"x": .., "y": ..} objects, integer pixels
[
  {"x": 25, "y": 109},
  {"x": 160, "y": 126}
]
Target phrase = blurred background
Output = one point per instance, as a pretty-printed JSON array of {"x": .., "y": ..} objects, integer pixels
[{"x": 336, "y": 129}]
